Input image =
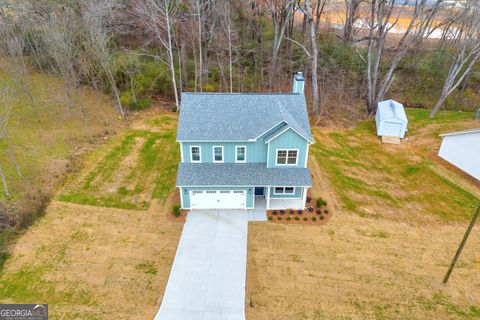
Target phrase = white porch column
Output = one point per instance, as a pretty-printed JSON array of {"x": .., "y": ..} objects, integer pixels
[
  {"x": 304, "y": 196},
  {"x": 268, "y": 198}
]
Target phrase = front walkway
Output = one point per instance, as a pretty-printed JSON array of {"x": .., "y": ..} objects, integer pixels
[{"x": 207, "y": 279}]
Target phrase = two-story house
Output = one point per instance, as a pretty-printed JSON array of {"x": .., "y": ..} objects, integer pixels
[{"x": 239, "y": 148}]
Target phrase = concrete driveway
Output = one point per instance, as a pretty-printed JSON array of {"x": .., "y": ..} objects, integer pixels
[{"x": 207, "y": 280}]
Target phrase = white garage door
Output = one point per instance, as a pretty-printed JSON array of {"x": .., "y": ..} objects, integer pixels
[
  {"x": 218, "y": 199},
  {"x": 392, "y": 129}
]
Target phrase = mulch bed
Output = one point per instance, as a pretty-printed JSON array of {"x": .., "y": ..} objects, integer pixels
[
  {"x": 313, "y": 215},
  {"x": 176, "y": 201}
]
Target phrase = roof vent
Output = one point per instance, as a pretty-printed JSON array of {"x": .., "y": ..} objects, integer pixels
[{"x": 298, "y": 83}]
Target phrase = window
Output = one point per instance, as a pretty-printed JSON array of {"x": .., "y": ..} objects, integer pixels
[
  {"x": 284, "y": 190},
  {"x": 195, "y": 154},
  {"x": 241, "y": 154},
  {"x": 287, "y": 157},
  {"x": 217, "y": 154}
]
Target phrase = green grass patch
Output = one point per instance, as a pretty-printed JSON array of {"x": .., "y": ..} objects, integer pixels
[
  {"x": 369, "y": 177},
  {"x": 132, "y": 170}
]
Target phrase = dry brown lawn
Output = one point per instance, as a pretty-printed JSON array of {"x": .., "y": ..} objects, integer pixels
[
  {"x": 93, "y": 263},
  {"x": 360, "y": 268}
]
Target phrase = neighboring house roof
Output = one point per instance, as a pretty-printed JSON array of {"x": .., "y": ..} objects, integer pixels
[
  {"x": 391, "y": 109},
  {"x": 240, "y": 116},
  {"x": 240, "y": 174},
  {"x": 460, "y": 132}
]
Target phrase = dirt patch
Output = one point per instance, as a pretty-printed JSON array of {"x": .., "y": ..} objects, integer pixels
[{"x": 125, "y": 167}]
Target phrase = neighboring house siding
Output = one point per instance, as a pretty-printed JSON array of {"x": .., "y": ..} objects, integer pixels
[
  {"x": 256, "y": 151},
  {"x": 186, "y": 197},
  {"x": 297, "y": 195},
  {"x": 462, "y": 151},
  {"x": 287, "y": 140}
]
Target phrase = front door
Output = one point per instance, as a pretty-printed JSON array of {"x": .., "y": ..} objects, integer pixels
[{"x": 259, "y": 191}]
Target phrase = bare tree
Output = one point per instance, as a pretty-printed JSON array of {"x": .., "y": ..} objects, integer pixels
[
  {"x": 381, "y": 22},
  {"x": 224, "y": 9},
  {"x": 60, "y": 38},
  {"x": 465, "y": 50},
  {"x": 351, "y": 17},
  {"x": 313, "y": 15},
  {"x": 160, "y": 18},
  {"x": 96, "y": 15},
  {"x": 281, "y": 12}
]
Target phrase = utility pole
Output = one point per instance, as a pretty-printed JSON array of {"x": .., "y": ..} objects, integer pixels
[{"x": 462, "y": 244}]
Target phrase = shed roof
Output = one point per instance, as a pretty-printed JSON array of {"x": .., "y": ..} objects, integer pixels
[
  {"x": 460, "y": 132},
  {"x": 240, "y": 116},
  {"x": 240, "y": 174},
  {"x": 389, "y": 109}
]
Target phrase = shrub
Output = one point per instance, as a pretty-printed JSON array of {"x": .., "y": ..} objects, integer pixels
[
  {"x": 309, "y": 199},
  {"x": 321, "y": 202},
  {"x": 292, "y": 211},
  {"x": 322, "y": 217},
  {"x": 305, "y": 218},
  {"x": 274, "y": 212},
  {"x": 142, "y": 104},
  {"x": 310, "y": 209},
  {"x": 325, "y": 211},
  {"x": 319, "y": 211},
  {"x": 282, "y": 211},
  {"x": 297, "y": 218},
  {"x": 176, "y": 210},
  {"x": 314, "y": 218},
  {"x": 270, "y": 218},
  {"x": 173, "y": 109},
  {"x": 289, "y": 218},
  {"x": 279, "y": 218},
  {"x": 299, "y": 211}
]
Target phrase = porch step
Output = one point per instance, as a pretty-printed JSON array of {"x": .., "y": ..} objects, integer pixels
[{"x": 390, "y": 140}]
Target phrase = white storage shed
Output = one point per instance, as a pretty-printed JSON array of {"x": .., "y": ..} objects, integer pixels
[
  {"x": 391, "y": 119},
  {"x": 462, "y": 149}
]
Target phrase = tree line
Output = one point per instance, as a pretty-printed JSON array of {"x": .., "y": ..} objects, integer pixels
[{"x": 138, "y": 48}]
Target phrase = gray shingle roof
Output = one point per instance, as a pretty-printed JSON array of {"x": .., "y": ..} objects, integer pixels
[
  {"x": 240, "y": 174},
  {"x": 239, "y": 116}
]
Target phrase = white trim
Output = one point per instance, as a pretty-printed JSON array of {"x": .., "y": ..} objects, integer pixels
[
  {"x": 283, "y": 193},
  {"x": 181, "y": 196},
  {"x": 304, "y": 196},
  {"x": 199, "y": 152},
  {"x": 286, "y": 164},
  {"x": 213, "y": 155},
  {"x": 283, "y": 131},
  {"x": 245, "y": 154},
  {"x": 460, "y": 132},
  {"x": 270, "y": 129},
  {"x": 268, "y": 155},
  {"x": 306, "y": 155},
  {"x": 181, "y": 151},
  {"x": 268, "y": 198}
]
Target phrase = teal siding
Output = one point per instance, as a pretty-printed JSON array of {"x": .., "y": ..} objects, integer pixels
[
  {"x": 298, "y": 194},
  {"x": 185, "y": 194},
  {"x": 288, "y": 140},
  {"x": 256, "y": 151}
]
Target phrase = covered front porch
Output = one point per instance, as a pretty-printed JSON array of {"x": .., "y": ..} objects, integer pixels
[{"x": 276, "y": 198}]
